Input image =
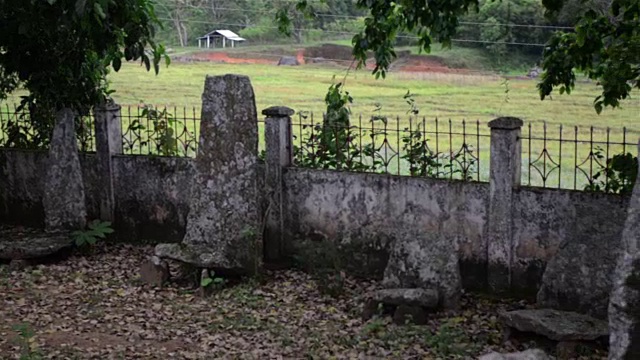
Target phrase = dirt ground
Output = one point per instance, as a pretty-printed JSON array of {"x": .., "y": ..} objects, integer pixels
[
  {"x": 326, "y": 53},
  {"x": 95, "y": 307}
]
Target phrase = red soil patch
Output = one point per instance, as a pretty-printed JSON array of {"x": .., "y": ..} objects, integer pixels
[
  {"x": 225, "y": 58},
  {"x": 330, "y": 53},
  {"x": 417, "y": 63}
]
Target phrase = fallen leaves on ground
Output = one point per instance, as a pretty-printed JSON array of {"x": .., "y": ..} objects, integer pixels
[{"x": 96, "y": 307}]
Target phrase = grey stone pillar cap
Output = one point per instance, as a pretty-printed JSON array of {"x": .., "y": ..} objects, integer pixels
[
  {"x": 507, "y": 123},
  {"x": 278, "y": 111}
]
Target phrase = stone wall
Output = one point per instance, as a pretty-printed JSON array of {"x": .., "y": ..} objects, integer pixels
[
  {"x": 21, "y": 187},
  {"x": 547, "y": 219},
  {"x": 22, "y": 174},
  {"x": 364, "y": 213},
  {"x": 358, "y": 214},
  {"x": 152, "y": 197}
]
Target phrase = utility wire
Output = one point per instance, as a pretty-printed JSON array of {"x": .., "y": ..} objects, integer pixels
[
  {"x": 352, "y": 33},
  {"x": 475, "y": 23}
]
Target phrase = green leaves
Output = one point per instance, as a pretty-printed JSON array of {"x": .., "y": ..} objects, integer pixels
[
  {"x": 65, "y": 48},
  {"x": 617, "y": 176},
  {"x": 215, "y": 281},
  {"x": 605, "y": 47},
  {"x": 96, "y": 230}
]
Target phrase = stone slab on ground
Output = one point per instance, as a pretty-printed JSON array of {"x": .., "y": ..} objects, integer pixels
[
  {"x": 531, "y": 354},
  {"x": 411, "y": 297},
  {"x": 154, "y": 271},
  {"x": 223, "y": 225},
  {"x": 556, "y": 325},
  {"x": 64, "y": 198},
  {"x": 25, "y": 244},
  {"x": 406, "y": 305}
]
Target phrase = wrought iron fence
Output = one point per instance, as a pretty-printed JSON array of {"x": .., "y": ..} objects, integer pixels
[
  {"x": 412, "y": 146},
  {"x": 20, "y": 130},
  {"x": 165, "y": 131},
  {"x": 576, "y": 158}
]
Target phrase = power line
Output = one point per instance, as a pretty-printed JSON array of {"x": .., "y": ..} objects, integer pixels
[
  {"x": 475, "y": 23},
  {"x": 352, "y": 33}
]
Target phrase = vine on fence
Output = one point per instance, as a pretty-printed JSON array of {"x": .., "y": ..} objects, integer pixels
[
  {"x": 335, "y": 144},
  {"x": 617, "y": 176},
  {"x": 32, "y": 129},
  {"x": 162, "y": 134},
  {"x": 24, "y": 131}
]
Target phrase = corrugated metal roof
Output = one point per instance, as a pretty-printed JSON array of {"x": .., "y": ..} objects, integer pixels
[{"x": 226, "y": 33}]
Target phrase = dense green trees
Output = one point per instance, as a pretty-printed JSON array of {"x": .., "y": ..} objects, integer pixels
[
  {"x": 185, "y": 20},
  {"x": 61, "y": 50},
  {"x": 605, "y": 43}
]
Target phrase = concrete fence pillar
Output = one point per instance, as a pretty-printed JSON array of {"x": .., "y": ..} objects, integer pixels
[
  {"x": 279, "y": 155},
  {"x": 108, "y": 128},
  {"x": 506, "y": 159}
]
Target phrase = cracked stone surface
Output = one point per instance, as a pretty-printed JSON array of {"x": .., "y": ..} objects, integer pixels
[
  {"x": 556, "y": 325},
  {"x": 426, "y": 260},
  {"x": 223, "y": 224},
  {"x": 64, "y": 198}
]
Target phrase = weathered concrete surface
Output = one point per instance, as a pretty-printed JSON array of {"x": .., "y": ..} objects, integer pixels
[
  {"x": 556, "y": 325},
  {"x": 363, "y": 214},
  {"x": 152, "y": 197},
  {"x": 92, "y": 179},
  {"x": 108, "y": 139},
  {"x": 279, "y": 155},
  {"x": 21, "y": 186},
  {"x": 63, "y": 199},
  {"x": 624, "y": 307},
  {"x": 426, "y": 259},
  {"x": 223, "y": 225},
  {"x": 567, "y": 230},
  {"x": 531, "y": 354},
  {"x": 506, "y": 159}
]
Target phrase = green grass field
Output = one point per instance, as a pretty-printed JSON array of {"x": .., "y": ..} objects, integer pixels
[{"x": 454, "y": 97}]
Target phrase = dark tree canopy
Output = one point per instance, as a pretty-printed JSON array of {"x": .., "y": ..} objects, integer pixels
[
  {"x": 61, "y": 50},
  {"x": 605, "y": 43}
]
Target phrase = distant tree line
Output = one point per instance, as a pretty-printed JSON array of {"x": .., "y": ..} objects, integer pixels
[{"x": 185, "y": 20}]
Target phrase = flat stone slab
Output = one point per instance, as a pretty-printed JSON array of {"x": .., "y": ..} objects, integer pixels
[
  {"x": 556, "y": 325},
  {"x": 531, "y": 354},
  {"x": 22, "y": 244},
  {"x": 197, "y": 256},
  {"x": 411, "y": 297}
]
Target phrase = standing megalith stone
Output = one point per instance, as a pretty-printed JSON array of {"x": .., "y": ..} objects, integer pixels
[
  {"x": 579, "y": 277},
  {"x": 223, "y": 225},
  {"x": 624, "y": 304},
  {"x": 64, "y": 199},
  {"x": 426, "y": 260}
]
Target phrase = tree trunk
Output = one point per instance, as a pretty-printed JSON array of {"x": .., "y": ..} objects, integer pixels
[
  {"x": 178, "y": 25},
  {"x": 185, "y": 35}
]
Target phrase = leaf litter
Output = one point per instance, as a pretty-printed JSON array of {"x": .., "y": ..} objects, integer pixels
[{"x": 95, "y": 307}]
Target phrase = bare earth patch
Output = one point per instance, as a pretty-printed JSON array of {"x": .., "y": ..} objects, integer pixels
[{"x": 95, "y": 307}]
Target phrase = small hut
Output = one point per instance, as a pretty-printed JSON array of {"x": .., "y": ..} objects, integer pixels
[{"x": 219, "y": 38}]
